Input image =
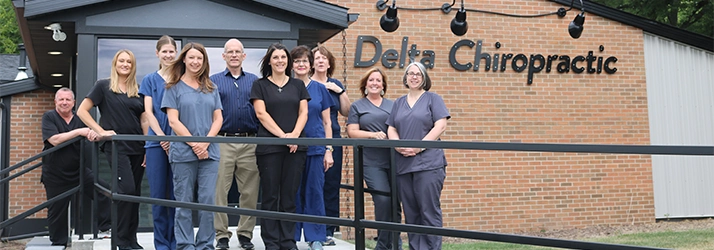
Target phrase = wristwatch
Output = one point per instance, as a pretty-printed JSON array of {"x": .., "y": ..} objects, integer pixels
[{"x": 329, "y": 148}]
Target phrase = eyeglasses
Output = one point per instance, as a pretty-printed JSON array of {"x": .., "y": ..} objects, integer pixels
[
  {"x": 303, "y": 61},
  {"x": 413, "y": 74},
  {"x": 234, "y": 52}
]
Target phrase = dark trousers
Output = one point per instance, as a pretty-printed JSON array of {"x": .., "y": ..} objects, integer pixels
[
  {"x": 378, "y": 178},
  {"x": 57, "y": 212},
  {"x": 130, "y": 174},
  {"x": 420, "y": 193},
  {"x": 280, "y": 175},
  {"x": 331, "y": 191}
]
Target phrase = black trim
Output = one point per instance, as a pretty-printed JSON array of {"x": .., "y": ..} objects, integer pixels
[
  {"x": 650, "y": 26},
  {"x": 319, "y": 10},
  {"x": 5, "y": 162},
  {"x": 21, "y": 86}
]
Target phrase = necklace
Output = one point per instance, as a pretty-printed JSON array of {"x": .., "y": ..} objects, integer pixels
[{"x": 281, "y": 84}]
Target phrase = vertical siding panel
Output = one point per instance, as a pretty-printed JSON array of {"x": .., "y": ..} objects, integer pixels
[{"x": 680, "y": 92}]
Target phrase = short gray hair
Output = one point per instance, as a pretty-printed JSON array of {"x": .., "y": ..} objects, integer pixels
[
  {"x": 64, "y": 89},
  {"x": 425, "y": 80}
]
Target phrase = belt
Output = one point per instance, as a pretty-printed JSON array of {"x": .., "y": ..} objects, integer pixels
[{"x": 223, "y": 133}]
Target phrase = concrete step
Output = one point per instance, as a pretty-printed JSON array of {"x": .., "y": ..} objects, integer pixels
[{"x": 44, "y": 243}]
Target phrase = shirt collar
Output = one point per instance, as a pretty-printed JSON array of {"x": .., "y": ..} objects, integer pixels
[{"x": 227, "y": 72}]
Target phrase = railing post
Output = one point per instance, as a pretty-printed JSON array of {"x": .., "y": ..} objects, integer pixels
[
  {"x": 394, "y": 196},
  {"x": 80, "y": 208},
  {"x": 359, "y": 198},
  {"x": 95, "y": 194},
  {"x": 115, "y": 187}
]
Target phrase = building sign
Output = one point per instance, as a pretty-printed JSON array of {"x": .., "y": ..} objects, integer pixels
[{"x": 493, "y": 61}]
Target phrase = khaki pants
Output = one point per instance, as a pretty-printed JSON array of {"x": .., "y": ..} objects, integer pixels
[{"x": 237, "y": 161}]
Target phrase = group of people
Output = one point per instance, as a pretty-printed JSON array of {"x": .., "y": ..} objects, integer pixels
[{"x": 295, "y": 98}]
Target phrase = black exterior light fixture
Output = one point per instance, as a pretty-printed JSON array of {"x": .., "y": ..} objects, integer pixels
[
  {"x": 459, "y": 26},
  {"x": 575, "y": 28},
  {"x": 389, "y": 21}
]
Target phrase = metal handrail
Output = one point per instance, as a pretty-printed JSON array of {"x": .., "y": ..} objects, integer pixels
[
  {"x": 359, "y": 223},
  {"x": 38, "y": 156}
]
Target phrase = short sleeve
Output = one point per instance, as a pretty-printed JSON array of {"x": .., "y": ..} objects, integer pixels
[
  {"x": 327, "y": 101},
  {"x": 217, "y": 100},
  {"x": 395, "y": 110},
  {"x": 438, "y": 108},
  {"x": 304, "y": 95},
  {"x": 145, "y": 88},
  {"x": 169, "y": 101},
  {"x": 256, "y": 92},
  {"x": 353, "y": 116},
  {"x": 48, "y": 127},
  {"x": 96, "y": 94}
]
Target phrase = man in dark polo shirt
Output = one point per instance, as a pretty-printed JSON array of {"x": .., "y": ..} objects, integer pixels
[
  {"x": 60, "y": 169},
  {"x": 237, "y": 160}
]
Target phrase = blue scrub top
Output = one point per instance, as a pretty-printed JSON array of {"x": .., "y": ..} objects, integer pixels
[{"x": 321, "y": 100}]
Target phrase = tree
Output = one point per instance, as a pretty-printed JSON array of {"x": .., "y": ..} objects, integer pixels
[
  {"x": 692, "y": 15},
  {"x": 9, "y": 32}
]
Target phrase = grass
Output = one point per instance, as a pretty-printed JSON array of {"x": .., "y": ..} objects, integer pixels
[{"x": 687, "y": 240}]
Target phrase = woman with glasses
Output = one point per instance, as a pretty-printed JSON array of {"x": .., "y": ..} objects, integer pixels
[
  {"x": 310, "y": 198},
  {"x": 419, "y": 115}
]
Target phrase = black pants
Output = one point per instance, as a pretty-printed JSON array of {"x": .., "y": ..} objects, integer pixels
[
  {"x": 280, "y": 175},
  {"x": 130, "y": 174},
  {"x": 57, "y": 211}
]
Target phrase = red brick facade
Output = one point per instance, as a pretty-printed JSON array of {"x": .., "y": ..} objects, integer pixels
[{"x": 490, "y": 190}]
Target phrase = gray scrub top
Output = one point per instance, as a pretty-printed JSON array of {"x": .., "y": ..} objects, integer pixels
[
  {"x": 413, "y": 123},
  {"x": 374, "y": 119},
  {"x": 195, "y": 110}
]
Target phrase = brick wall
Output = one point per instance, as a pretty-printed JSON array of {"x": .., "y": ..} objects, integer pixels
[
  {"x": 26, "y": 141},
  {"x": 525, "y": 191}
]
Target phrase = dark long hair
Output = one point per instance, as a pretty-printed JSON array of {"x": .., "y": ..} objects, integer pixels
[{"x": 265, "y": 69}]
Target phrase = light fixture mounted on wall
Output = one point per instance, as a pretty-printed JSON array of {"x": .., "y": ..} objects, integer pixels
[
  {"x": 389, "y": 22},
  {"x": 57, "y": 33}
]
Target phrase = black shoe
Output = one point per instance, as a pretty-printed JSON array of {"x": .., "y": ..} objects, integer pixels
[
  {"x": 124, "y": 247},
  {"x": 222, "y": 244},
  {"x": 136, "y": 246},
  {"x": 245, "y": 243}
]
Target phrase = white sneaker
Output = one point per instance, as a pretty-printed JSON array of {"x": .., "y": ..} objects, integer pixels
[{"x": 105, "y": 234}]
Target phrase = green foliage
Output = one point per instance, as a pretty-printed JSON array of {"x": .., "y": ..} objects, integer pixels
[
  {"x": 9, "y": 32},
  {"x": 693, "y": 15}
]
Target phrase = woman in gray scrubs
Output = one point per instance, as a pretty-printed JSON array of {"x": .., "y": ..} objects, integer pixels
[
  {"x": 367, "y": 119},
  {"x": 419, "y": 115}
]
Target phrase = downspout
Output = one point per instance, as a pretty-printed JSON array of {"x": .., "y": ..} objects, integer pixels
[{"x": 4, "y": 160}]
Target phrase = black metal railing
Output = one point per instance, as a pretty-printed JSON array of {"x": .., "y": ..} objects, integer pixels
[
  {"x": 4, "y": 225},
  {"x": 360, "y": 224}
]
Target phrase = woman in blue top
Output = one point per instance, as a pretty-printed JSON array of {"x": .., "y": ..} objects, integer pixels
[
  {"x": 368, "y": 120},
  {"x": 158, "y": 170},
  {"x": 194, "y": 108},
  {"x": 419, "y": 115},
  {"x": 309, "y": 198},
  {"x": 323, "y": 67}
]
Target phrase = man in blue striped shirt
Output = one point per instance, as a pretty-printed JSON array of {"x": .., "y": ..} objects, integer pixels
[{"x": 237, "y": 160}]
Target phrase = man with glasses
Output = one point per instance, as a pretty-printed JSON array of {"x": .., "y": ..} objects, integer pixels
[{"x": 237, "y": 160}]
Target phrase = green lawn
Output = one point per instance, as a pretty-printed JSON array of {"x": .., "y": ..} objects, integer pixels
[{"x": 687, "y": 240}]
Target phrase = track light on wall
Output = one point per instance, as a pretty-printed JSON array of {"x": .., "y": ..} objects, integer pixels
[
  {"x": 575, "y": 28},
  {"x": 459, "y": 26},
  {"x": 389, "y": 21}
]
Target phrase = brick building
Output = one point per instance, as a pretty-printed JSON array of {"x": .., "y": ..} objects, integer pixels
[{"x": 505, "y": 80}]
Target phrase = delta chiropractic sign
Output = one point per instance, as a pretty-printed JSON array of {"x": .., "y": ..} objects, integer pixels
[{"x": 492, "y": 61}]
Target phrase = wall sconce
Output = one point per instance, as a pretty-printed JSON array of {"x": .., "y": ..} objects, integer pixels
[
  {"x": 390, "y": 22},
  {"x": 57, "y": 33}
]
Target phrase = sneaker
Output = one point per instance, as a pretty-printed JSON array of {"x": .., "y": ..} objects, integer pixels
[
  {"x": 222, "y": 244},
  {"x": 329, "y": 242},
  {"x": 245, "y": 243},
  {"x": 316, "y": 245},
  {"x": 104, "y": 234}
]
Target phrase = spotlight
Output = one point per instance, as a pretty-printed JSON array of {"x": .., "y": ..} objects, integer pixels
[
  {"x": 389, "y": 21},
  {"x": 576, "y": 26},
  {"x": 57, "y": 34},
  {"x": 459, "y": 26}
]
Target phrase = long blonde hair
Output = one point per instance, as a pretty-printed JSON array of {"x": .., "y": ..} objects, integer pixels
[
  {"x": 132, "y": 87},
  {"x": 178, "y": 68}
]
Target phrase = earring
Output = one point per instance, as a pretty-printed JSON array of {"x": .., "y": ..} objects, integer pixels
[
  {"x": 366, "y": 92},
  {"x": 382, "y": 94}
]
